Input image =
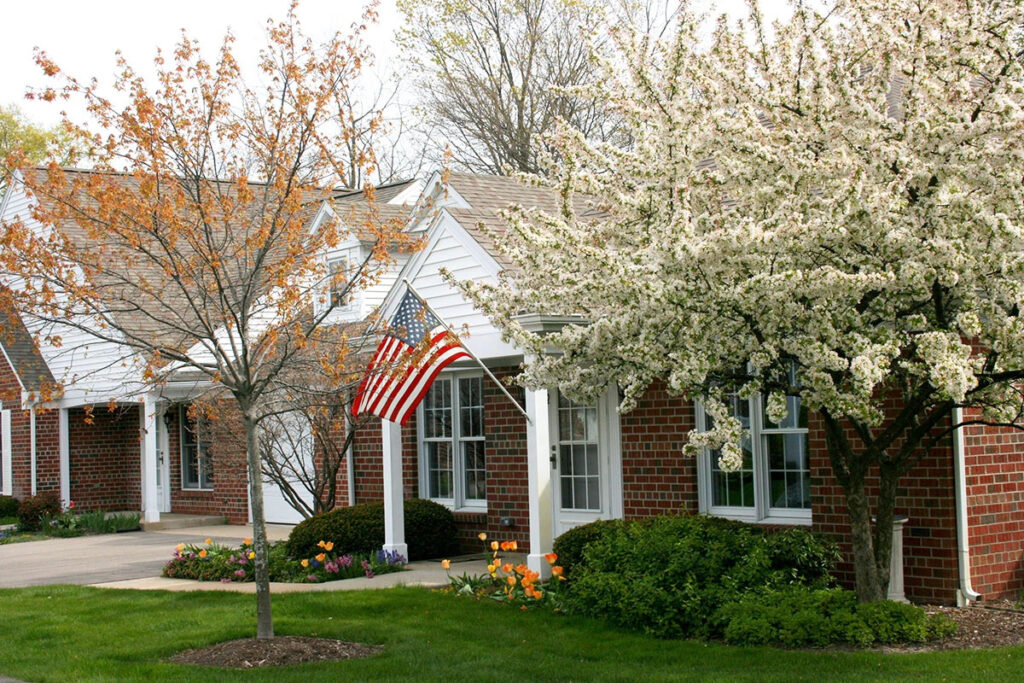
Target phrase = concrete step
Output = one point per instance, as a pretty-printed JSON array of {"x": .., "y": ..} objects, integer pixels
[{"x": 169, "y": 520}]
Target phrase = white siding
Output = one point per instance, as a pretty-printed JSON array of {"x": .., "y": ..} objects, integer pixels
[
  {"x": 90, "y": 369},
  {"x": 452, "y": 249}
]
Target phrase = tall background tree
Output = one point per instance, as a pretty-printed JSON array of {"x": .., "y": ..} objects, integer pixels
[
  {"x": 488, "y": 73},
  {"x": 843, "y": 198},
  {"x": 189, "y": 244},
  {"x": 35, "y": 142}
]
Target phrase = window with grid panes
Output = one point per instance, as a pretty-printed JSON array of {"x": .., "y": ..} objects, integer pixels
[
  {"x": 452, "y": 441},
  {"x": 773, "y": 483},
  {"x": 579, "y": 468}
]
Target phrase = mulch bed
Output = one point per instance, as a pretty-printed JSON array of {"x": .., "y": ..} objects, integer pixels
[
  {"x": 249, "y": 653},
  {"x": 997, "y": 624}
]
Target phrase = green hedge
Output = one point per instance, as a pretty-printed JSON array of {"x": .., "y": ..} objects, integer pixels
[
  {"x": 570, "y": 546},
  {"x": 668, "y": 576},
  {"x": 8, "y": 506},
  {"x": 429, "y": 530},
  {"x": 798, "y": 616}
]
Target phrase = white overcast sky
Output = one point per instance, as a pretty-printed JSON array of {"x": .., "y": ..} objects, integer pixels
[{"x": 82, "y": 35}]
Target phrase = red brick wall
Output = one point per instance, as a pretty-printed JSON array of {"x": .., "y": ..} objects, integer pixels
[
  {"x": 926, "y": 496},
  {"x": 10, "y": 396},
  {"x": 656, "y": 478},
  {"x": 105, "y": 458},
  {"x": 995, "y": 512},
  {"x": 230, "y": 496}
]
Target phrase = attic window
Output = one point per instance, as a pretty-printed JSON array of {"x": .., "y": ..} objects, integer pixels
[{"x": 338, "y": 270}]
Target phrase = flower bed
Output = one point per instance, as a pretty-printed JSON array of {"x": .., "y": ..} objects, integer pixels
[{"x": 214, "y": 562}]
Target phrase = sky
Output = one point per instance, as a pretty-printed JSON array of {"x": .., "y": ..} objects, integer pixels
[{"x": 82, "y": 36}]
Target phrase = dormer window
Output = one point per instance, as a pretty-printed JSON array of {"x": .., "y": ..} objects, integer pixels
[{"x": 338, "y": 271}]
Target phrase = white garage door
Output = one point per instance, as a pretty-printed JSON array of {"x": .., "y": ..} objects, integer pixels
[{"x": 287, "y": 439}]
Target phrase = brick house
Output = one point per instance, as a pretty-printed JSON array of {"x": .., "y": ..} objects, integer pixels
[{"x": 469, "y": 448}]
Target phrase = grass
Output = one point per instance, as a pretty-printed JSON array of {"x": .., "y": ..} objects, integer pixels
[
  {"x": 104, "y": 635},
  {"x": 8, "y": 520}
]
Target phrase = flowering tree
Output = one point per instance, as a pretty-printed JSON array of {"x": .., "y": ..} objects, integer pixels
[
  {"x": 197, "y": 258},
  {"x": 841, "y": 195}
]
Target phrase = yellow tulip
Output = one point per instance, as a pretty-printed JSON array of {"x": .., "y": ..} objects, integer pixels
[
  {"x": 208, "y": 541},
  {"x": 180, "y": 547},
  {"x": 329, "y": 546},
  {"x": 251, "y": 554},
  {"x": 305, "y": 563},
  {"x": 445, "y": 564},
  {"x": 494, "y": 545},
  {"x": 482, "y": 536}
]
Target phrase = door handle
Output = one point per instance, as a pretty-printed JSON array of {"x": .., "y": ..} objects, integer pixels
[{"x": 554, "y": 457}]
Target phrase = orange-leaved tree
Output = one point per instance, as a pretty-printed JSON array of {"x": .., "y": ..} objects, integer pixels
[{"x": 189, "y": 244}]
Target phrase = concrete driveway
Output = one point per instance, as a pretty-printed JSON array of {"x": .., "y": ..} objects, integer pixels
[{"x": 89, "y": 560}]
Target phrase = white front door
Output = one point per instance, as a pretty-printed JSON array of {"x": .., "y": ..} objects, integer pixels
[
  {"x": 288, "y": 441},
  {"x": 163, "y": 464},
  {"x": 586, "y": 461}
]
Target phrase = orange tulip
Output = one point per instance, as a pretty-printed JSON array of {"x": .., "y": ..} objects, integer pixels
[
  {"x": 445, "y": 564},
  {"x": 329, "y": 546},
  {"x": 494, "y": 545},
  {"x": 513, "y": 546},
  {"x": 482, "y": 536},
  {"x": 247, "y": 541},
  {"x": 208, "y": 541},
  {"x": 511, "y": 580},
  {"x": 551, "y": 558},
  {"x": 320, "y": 557},
  {"x": 507, "y": 567},
  {"x": 557, "y": 571},
  {"x": 202, "y": 553},
  {"x": 305, "y": 563}
]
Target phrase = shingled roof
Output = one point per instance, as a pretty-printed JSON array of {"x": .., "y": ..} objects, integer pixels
[{"x": 26, "y": 360}]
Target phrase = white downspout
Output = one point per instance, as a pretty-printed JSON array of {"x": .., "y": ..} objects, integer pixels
[
  {"x": 350, "y": 464},
  {"x": 966, "y": 593},
  {"x": 32, "y": 446}
]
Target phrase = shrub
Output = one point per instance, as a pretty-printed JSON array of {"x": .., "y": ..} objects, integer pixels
[
  {"x": 33, "y": 509},
  {"x": 570, "y": 546},
  {"x": 798, "y": 616},
  {"x": 669, "y": 575},
  {"x": 8, "y": 506},
  {"x": 429, "y": 530}
]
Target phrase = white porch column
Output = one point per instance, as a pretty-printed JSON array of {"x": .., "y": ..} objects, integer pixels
[
  {"x": 64, "y": 446},
  {"x": 394, "y": 507},
  {"x": 150, "y": 498},
  {"x": 538, "y": 450}
]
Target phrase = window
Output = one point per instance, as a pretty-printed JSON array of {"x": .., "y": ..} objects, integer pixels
[
  {"x": 196, "y": 465},
  {"x": 579, "y": 466},
  {"x": 452, "y": 442},
  {"x": 337, "y": 271},
  {"x": 773, "y": 483}
]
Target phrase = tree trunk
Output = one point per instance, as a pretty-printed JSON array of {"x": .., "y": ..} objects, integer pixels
[
  {"x": 264, "y": 618},
  {"x": 868, "y": 586}
]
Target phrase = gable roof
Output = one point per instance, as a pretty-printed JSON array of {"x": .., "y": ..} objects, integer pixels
[{"x": 23, "y": 354}]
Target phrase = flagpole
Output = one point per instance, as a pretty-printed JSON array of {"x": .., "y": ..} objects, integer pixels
[{"x": 466, "y": 348}]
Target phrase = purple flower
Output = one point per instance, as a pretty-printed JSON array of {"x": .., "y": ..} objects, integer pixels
[
  {"x": 225, "y": 580},
  {"x": 345, "y": 561},
  {"x": 239, "y": 573},
  {"x": 331, "y": 567},
  {"x": 311, "y": 578}
]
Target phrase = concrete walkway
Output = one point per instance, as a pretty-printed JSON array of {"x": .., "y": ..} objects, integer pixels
[{"x": 134, "y": 561}]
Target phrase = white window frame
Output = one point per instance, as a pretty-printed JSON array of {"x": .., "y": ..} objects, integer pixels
[
  {"x": 458, "y": 501},
  {"x": 345, "y": 259},
  {"x": 203, "y": 453},
  {"x": 761, "y": 512}
]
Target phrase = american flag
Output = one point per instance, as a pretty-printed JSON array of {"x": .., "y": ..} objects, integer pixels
[{"x": 404, "y": 366}]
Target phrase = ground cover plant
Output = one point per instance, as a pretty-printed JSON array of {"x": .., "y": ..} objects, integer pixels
[
  {"x": 43, "y": 516},
  {"x": 429, "y": 530},
  {"x": 215, "y": 562},
  {"x": 417, "y": 629}
]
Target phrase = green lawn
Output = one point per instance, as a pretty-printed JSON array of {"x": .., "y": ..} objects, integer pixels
[{"x": 70, "y": 633}]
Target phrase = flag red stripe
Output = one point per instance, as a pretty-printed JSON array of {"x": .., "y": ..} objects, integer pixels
[
  {"x": 381, "y": 384},
  {"x": 412, "y": 378},
  {"x": 402, "y": 416},
  {"x": 372, "y": 379}
]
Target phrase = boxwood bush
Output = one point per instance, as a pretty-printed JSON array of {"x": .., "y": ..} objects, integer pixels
[
  {"x": 668, "y": 576},
  {"x": 8, "y": 506},
  {"x": 798, "y": 616},
  {"x": 570, "y": 546},
  {"x": 429, "y": 530}
]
